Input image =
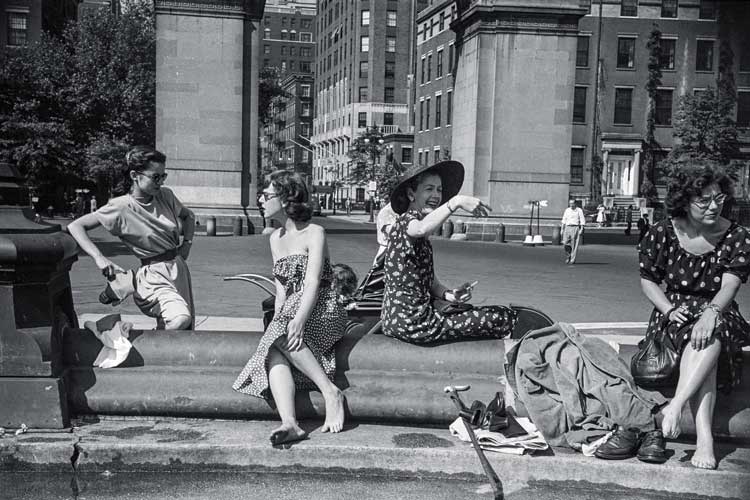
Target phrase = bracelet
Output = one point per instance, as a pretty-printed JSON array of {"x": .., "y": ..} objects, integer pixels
[
  {"x": 715, "y": 308},
  {"x": 189, "y": 242},
  {"x": 669, "y": 313},
  {"x": 449, "y": 207}
]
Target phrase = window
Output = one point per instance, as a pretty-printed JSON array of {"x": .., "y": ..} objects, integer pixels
[
  {"x": 305, "y": 52},
  {"x": 625, "y": 52},
  {"x": 450, "y": 58},
  {"x": 668, "y": 8},
  {"x": 305, "y": 109},
  {"x": 305, "y": 23},
  {"x": 266, "y": 49},
  {"x": 304, "y": 90},
  {"x": 365, "y": 18},
  {"x": 284, "y": 50},
  {"x": 449, "y": 109},
  {"x": 421, "y": 117},
  {"x": 429, "y": 67},
  {"x": 266, "y": 63},
  {"x": 579, "y": 105},
  {"x": 420, "y": 158},
  {"x": 305, "y": 66},
  {"x": 362, "y": 120},
  {"x": 364, "y": 69},
  {"x": 427, "y": 113},
  {"x": 267, "y": 33},
  {"x": 387, "y": 118},
  {"x": 283, "y": 21},
  {"x": 438, "y": 110},
  {"x": 424, "y": 63},
  {"x": 389, "y": 94},
  {"x": 291, "y": 65},
  {"x": 406, "y": 155},
  {"x": 663, "y": 107},
  {"x": 390, "y": 69},
  {"x": 284, "y": 35},
  {"x": 439, "y": 68},
  {"x": 629, "y": 8},
  {"x": 305, "y": 37},
  {"x": 576, "y": 165},
  {"x": 707, "y": 9},
  {"x": 390, "y": 18},
  {"x": 704, "y": 55},
  {"x": 582, "y": 52},
  {"x": 283, "y": 65},
  {"x": 424, "y": 32},
  {"x": 364, "y": 44},
  {"x": 363, "y": 94},
  {"x": 293, "y": 35},
  {"x": 743, "y": 108},
  {"x": 623, "y": 106},
  {"x": 360, "y": 195},
  {"x": 390, "y": 44},
  {"x": 441, "y": 22},
  {"x": 292, "y": 51},
  {"x": 668, "y": 49}
]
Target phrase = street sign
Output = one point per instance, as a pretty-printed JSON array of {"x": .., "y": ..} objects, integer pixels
[
  {"x": 543, "y": 203},
  {"x": 372, "y": 186}
]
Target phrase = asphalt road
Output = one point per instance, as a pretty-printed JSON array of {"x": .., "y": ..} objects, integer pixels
[{"x": 602, "y": 286}]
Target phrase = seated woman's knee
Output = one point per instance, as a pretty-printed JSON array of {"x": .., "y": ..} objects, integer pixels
[{"x": 178, "y": 322}]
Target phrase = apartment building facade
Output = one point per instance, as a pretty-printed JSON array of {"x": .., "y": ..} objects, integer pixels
[{"x": 364, "y": 77}]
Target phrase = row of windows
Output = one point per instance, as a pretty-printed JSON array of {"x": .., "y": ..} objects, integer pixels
[
  {"x": 288, "y": 35},
  {"x": 362, "y": 119},
  {"x": 425, "y": 107},
  {"x": 704, "y": 54},
  {"x": 424, "y": 156},
  {"x": 427, "y": 30},
  {"x": 663, "y": 100},
  {"x": 390, "y": 69},
  {"x": 669, "y": 8},
  {"x": 304, "y": 66},
  {"x": 290, "y": 51},
  {"x": 303, "y": 23},
  {"x": 426, "y": 73},
  {"x": 390, "y": 44},
  {"x": 389, "y": 95},
  {"x": 390, "y": 18}
]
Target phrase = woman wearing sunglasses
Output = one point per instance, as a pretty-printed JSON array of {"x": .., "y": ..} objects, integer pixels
[
  {"x": 149, "y": 220},
  {"x": 702, "y": 259}
]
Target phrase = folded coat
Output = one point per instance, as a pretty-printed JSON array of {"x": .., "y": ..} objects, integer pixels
[{"x": 575, "y": 387}]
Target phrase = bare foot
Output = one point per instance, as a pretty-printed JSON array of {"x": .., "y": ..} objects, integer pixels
[
  {"x": 670, "y": 424},
  {"x": 287, "y": 433},
  {"x": 704, "y": 457},
  {"x": 334, "y": 412}
]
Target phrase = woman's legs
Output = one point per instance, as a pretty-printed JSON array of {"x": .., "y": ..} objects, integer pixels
[
  {"x": 697, "y": 384},
  {"x": 282, "y": 387},
  {"x": 304, "y": 360}
]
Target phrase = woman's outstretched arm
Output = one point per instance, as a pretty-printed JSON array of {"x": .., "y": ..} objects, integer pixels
[{"x": 433, "y": 220}]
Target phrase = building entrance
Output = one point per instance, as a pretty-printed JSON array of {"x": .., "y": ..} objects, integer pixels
[{"x": 621, "y": 176}]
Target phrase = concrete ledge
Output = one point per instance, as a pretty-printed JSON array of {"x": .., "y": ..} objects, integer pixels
[{"x": 370, "y": 450}]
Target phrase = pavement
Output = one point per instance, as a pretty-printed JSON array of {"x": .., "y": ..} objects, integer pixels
[{"x": 110, "y": 456}]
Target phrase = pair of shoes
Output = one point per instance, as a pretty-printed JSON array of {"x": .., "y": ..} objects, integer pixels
[
  {"x": 653, "y": 448},
  {"x": 621, "y": 445},
  {"x": 492, "y": 417}
]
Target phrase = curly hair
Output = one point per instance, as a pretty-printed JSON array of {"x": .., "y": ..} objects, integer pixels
[
  {"x": 293, "y": 193},
  {"x": 138, "y": 159},
  {"x": 344, "y": 282},
  {"x": 690, "y": 180}
]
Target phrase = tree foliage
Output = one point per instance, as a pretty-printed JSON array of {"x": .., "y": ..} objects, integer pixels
[
  {"x": 371, "y": 163},
  {"x": 269, "y": 88},
  {"x": 651, "y": 146},
  {"x": 63, "y": 98}
]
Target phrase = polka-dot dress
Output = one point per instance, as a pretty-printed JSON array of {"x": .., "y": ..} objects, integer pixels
[
  {"x": 325, "y": 326},
  {"x": 408, "y": 311},
  {"x": 693, "y": 280}
]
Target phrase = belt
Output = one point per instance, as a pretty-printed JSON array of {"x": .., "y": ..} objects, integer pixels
[
  {"x": 573, "y": 225},
  {"x": 162, "y": 257}
]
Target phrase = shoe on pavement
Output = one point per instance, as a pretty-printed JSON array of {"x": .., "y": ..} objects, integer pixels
[
  {"x": 652, "y": 448},
  {"x": 623, "y": 444},
  {"x": 528, "y": 318}
]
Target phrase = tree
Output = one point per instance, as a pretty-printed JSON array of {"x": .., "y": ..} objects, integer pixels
[
  {"x": 651, "y": 146},
  {"x": 269, "y": 88},
  {"x": 364, "y": 152},
  {"x": 387, "y": 176},
  {"x": 66, "y": 94}
]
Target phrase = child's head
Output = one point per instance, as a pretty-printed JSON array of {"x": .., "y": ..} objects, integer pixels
[{"x": 344, "y": 281}]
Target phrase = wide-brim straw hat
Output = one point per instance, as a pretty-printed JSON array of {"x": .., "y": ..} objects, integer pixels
[{"x": 451, "y": 174}]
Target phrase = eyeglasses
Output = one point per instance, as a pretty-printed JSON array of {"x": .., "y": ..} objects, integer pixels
[
  {"x": 269, "y": 196},
  {"x": 157, "y": 178},
  {"x": 705, "y": 201}
]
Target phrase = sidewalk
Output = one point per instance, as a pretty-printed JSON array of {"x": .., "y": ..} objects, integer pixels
[{"x": 117, "y": 445}]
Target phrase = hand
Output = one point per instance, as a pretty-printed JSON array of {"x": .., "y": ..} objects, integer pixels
[
  {"x": 703, "y": 330},
  {"x": 470, "y": 204},
  {"x": 184, "y": 250},
  {"x": 294, "y": 330},
  {"x": 460, "y": 294},
  {"x": 107, "y": 267},
  {"x": 678, "y": 316}
]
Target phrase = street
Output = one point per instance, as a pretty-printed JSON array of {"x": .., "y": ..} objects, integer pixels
[{"x": 603, "y": 286}]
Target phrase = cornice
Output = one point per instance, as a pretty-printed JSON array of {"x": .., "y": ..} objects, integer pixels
[{"x": 239, "y": 9}]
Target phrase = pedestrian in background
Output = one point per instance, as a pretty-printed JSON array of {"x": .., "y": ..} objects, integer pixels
[
  {"x": 600, "y": 215},
  {"x": 629, "y": 220},
  {"x": 93, "y": 203},
  {"x": 573, "y": 222},
  {"x": 643, "y": 226}
]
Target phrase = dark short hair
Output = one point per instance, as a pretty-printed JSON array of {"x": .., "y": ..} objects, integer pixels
[
  {"x": 292, "y": 191},
  {"x": 139, "y": 157},
  {"x": 688, "y": 182}
]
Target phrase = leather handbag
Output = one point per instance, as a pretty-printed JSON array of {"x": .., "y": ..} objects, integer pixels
[{"x": 657, "y": 362}]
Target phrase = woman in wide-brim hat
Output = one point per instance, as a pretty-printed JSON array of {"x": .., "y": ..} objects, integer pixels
[{"x": 424, "y": 198}]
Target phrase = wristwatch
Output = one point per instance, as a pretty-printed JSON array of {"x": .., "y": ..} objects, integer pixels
[
  {"x": 715, "y": 308},
  {"x": 189, "y": 242}
]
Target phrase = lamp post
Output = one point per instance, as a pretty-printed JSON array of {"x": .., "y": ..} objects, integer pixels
[{"x": 372, "y": 187}]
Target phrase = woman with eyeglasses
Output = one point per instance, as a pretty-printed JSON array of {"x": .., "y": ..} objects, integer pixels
[
  {"x": 149, "y": 220},
  {"x": 702, "y": 259},
  {"x": 297, "y": 349}
]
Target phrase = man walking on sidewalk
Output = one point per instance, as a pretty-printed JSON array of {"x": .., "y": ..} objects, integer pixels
[{"x": 573, "y": 222}]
